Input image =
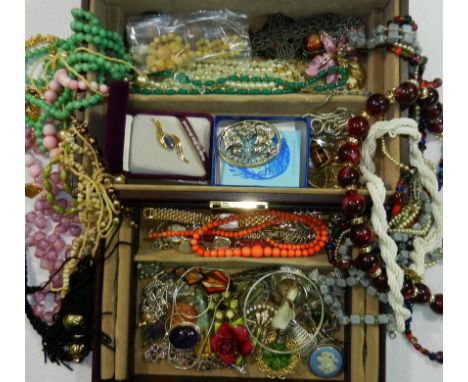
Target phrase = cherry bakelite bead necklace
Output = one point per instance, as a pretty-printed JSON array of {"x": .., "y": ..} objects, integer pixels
[
  {"x": 267, "y": 248},
  {"x": 353, "y": 204}
]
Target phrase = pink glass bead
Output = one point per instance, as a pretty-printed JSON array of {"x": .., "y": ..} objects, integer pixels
[
  {"x": 52, "y": 256},
  {"x": 82, "y": 85},
  {"x": 59, "y": 245},
  {"x": 49, "y": 142},
  {"x": 39, "y": 310},
  {"x": 54, "y": 237},
  {"x": 34, "y": 170},
  {"x": 48, "y": 318},
  {"x": 50, "y": 96},
  {"x": 41, "y": 204},
  {"x": 54, "y": 85},
  {"x": 57, "y": 281},
  {"x": 65, "y": 220},
  {"x": 93, "y": 85},
  {"x": 62, "y": 203},
  {"x": 41, "y": 222},
  {"x": 64, "y": 81},
  {"x": 103, "y": 88},
  {"x": 27, "y": 229},
  {"x": 55, "y": 218},
  {"x": 59, "y": 73},
  {"x": 29, "y": 160},
  {"x": 31, "y": 217},
  {"x": 75, "y": 230},
  {"x": 61, "y": 229},
  {"x": 44, "y": 244},
  {"x": 55, "y": 177},
  {"x": 39, "y": 253},
  {"x": 38, "y": 236},
  {"x": 57, "y": 265},
  {"x": 29, "y": 241},
  {"x": 39, "y": 296},
  {"x": 58, "y": 298},
  {"x": 73, "y": 85},
  {"x": 49, "y": 129},
  {"x": 56, "y": 308},
  {"x": 53, "y": 153},
  {"x": 46, "y": 264}
]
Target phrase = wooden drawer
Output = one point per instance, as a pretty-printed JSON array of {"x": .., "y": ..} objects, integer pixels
[{"x": 121, "y": 296}]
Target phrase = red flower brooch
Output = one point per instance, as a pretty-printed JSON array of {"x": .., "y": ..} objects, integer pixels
[{"x": 229, "y": 342}]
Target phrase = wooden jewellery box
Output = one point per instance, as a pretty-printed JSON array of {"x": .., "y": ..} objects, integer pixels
[{"x": 118, "y": 286}]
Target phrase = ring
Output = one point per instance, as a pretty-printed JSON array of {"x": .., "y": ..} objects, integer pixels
[
  {"x": 249, "y": 143},
  {"x": 169, "y": 141}
]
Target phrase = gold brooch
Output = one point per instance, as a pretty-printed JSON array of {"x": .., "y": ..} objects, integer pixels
[{"x": 169, "y": 141}]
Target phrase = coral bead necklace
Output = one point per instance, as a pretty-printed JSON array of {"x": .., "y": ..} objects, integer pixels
[{"x": 269, "y": 248}]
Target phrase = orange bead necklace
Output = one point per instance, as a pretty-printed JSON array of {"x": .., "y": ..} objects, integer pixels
[{"x": 270, "y": 248}]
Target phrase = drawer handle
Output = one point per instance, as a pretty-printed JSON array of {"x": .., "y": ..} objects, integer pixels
[{"x": 239, "y": 205}]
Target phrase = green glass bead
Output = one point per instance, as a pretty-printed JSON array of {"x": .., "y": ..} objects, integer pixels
[
  {"x": 342, "y": 82},
  {"x": 300, "y": 85},
  {"x": 57, "y": 209},
  {"x": 331, "y": 86},
  {"x": 278, "y": 91},
  {"x": 320, "y": 88},
  {"x": 332, "y": 69},
  {"x": 171, "y": 92},
  {"x": 233, "y": 78},
  {"x": 322, "y": 73},
  {"x": 197, "y": 83},
  {"x": 194, "y": 91},
  {"x": 182, "y": 91},
  {"x": 50, "y": 199},
  {"x": 244, "y": 78},
  {"x": 278, "y": 81},
  {"x": 209, "y": 83},
  {"x": 242, "y": 91},
  {"x": 267, "y": 79},
  {"x": 266, "y": 91},
  {"x": 220, "y": 80},
  {"x": 208, "y": 91},
  {"x": 230, "y": 91}
]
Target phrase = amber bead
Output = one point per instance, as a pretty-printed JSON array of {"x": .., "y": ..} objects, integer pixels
[
  {"x": 353, "y": 204},
  {"x": 407, "y": 93},
  {"x": 424, "y": 293},
  {"x": 431, "y": 99},
  {"x": 436, "y": 126},
  {"x": 377, "y": 104},
  {"x": 349, "y": 152},
  {"x": 368, "y": 262},
  {"x": 408, "y": 289},
  {"x": 438, "y": 304},
  {"x": 358, "y": 127},
  {"x": 361, "y": 234},
  {"x": 381, "y": 282},
  {"x": 434, "y": 111},
  {"x": 312, "y": 43},
  {"x": 348, "y": 176}
]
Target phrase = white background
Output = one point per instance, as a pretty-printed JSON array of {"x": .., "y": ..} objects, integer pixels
[{"x": 403, "y": 363}]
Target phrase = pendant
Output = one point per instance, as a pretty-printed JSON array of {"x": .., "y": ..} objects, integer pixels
[
  {"x": 169, "y": 141},
  {"x": 326, "y": 361}
]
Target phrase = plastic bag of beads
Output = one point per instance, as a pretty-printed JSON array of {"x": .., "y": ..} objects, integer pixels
[{"x": 169, "y": 41}]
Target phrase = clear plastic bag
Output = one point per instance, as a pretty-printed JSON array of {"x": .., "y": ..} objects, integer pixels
[{"x": 169, "y": 41}]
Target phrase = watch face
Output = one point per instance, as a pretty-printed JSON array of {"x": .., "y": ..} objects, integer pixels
[{"x": 326, "y": 361}]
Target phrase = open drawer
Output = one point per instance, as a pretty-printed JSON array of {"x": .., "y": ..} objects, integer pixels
[{"x": 362, "y": 346}]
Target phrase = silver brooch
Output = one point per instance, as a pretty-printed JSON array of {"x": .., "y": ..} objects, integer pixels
[{"x": 249, "y": 143}]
